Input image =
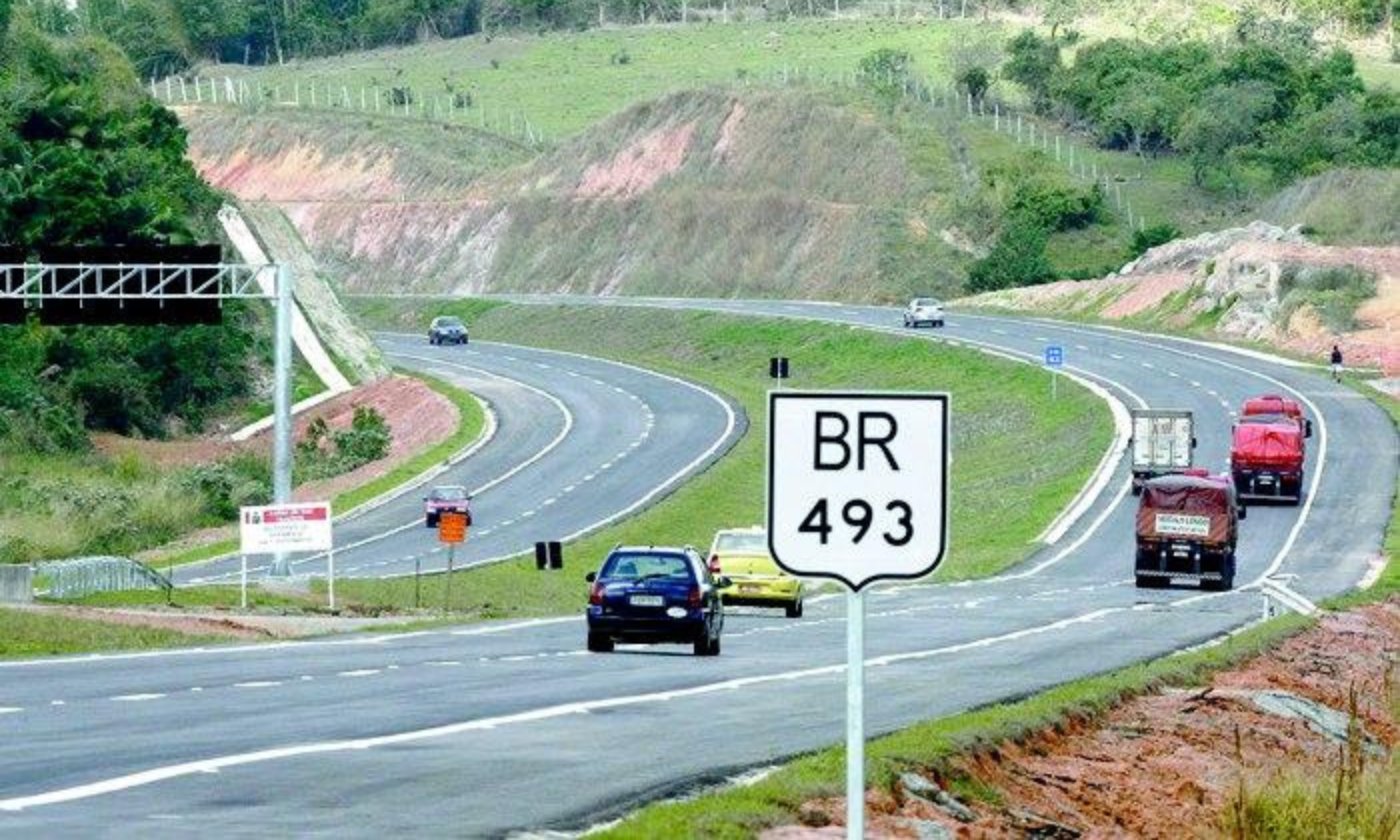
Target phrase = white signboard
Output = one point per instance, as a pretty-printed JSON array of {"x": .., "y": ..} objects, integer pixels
[
  {"x": 294, "y": 527},
  {"x": 857, "y": 484},
  {"x": 1182, "y": 525}
]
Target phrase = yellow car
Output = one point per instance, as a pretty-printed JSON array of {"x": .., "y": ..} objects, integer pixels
[{"x": 741, "y": 554}]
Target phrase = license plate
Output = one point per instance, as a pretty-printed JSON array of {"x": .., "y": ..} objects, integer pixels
[
  {"x": 647, "y": 601},
  {"x": 750, "y": 587},
  {"x": 1266, "y": 479}
]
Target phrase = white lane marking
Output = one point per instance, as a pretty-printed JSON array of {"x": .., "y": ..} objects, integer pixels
[
  {"x": 196, "y": 689},
  {"x": 136, "y": 698},
  {"x": 258, "y": 684},
  {"x": 1173, "y": 374},
  {"x": 1195, "y": 384},
  {"x": 1080, "y": 347},
  {"x": 9, "y": 710},
  {"x": 443, "y": 662},
  {"x": 1115, "y": 356},
  {"x": 519, "y": 625},
  {"x": 215, "y": 765},
  {"x": 306, "y": 678},
  {"x": 362, "y": 672},
  {"x": 53, "y": 703},
  {"x": 1147, "y": 365}
]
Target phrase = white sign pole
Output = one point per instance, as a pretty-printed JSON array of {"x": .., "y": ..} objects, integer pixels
[
  {"x": 243, "y": 581},
  {"x": 855, "y": 716},
  {"x": 330, "y": 575}
]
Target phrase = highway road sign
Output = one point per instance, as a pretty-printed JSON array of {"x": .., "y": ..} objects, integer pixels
[
  {"x": 778, "y": 367},
  {"x": 1054, "y": 356},
  {"x": 452, "y": 526},
  {"x": 857, "y": 484},
  {"x": 857, "y": 492},
  {"x": 272, "y": 529}
]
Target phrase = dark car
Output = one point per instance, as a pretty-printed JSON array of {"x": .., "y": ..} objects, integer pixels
[
  {"x": 655, "y": 595},
  {"x": 448, "y": 497},
  {"x": 447, "y": 330}
]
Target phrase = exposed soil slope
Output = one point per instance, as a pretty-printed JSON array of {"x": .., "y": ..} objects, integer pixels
[
  {"x": 1229, "y": 284},
  {"x": 699, "y": 193},
  {"x": 1169, "y": 764}
]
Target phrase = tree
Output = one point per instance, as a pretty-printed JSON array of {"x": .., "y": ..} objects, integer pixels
[
  {"x": 1016, "y": 259},
  {"x": 1033, "y": 63},
  {"x": 1059, "y": 13},
  {"x": 1227, "y": 118},
  {"x": 974, "y": 81}
]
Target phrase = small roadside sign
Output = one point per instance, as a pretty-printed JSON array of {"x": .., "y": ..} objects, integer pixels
[
  {"x": 857, "y": 492},
  {"x": 778, "y": 367},
  {"x": 452, "y": 527},
  {"x": 857, "y": 484},
  {"x": 275, "y": 528},
  {"x": 1054, "y": 356},
  {"x": 270, "y": 529}
]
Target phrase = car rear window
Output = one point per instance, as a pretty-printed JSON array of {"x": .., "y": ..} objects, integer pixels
[
  {"x": 632, "y": 566},
  {"x": 449, "y": 322},
  {"x": 753, "y": 542},
  {"x": 450, "y": 494},
  {"x": 925, "y": 302}
]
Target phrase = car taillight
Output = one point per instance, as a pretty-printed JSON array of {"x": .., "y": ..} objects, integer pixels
[
  {"x": 595, "y": 593},
  {"x": 694, "y": 597},
  {"x": 714, "y": 564}
]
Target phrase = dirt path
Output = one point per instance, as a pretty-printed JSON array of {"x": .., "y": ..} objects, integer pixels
[{"x": 1167, "y": 764}]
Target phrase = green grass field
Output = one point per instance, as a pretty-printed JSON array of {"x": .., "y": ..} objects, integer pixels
[
  {"x": 1018, "y": 458},
  {"x": 564, "y": 83},
  {"x": 27, "y": 633}
]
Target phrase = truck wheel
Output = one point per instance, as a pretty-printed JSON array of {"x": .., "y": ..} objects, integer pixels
[
  {"x": 1149, "y": 581},
  {"x": 598, "y": 643}
]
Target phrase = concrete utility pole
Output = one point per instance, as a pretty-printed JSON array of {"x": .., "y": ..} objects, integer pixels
[{"x": 282, "y": 407}]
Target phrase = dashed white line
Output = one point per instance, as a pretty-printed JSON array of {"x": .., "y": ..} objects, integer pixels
[
  {"x": 9, "y": 710},
  {"x": 258, "y": 684},
  {"x": 136, "y": 698},
  {"x": 58, "y": 703},
  {"x": 1115, "y": 356},
  {"x": 363, "y": 672}
]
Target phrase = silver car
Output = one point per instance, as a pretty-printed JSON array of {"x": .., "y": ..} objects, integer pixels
[{"x": 924, "y": 311}]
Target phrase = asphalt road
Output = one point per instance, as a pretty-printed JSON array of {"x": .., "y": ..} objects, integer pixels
[
  {"x": 576, "y": 443},
  {"x": 493, "y": 729}
]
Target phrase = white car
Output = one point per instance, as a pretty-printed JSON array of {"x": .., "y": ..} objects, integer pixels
[{"x": 923, "y": 311}]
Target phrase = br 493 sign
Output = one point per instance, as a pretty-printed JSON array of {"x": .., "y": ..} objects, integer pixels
[{"x": 857, "y": 484}]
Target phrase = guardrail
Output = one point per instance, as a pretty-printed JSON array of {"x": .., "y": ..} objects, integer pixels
[{"x": 86, "y": 575}]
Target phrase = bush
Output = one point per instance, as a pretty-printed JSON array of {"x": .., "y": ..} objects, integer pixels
[
  {"x": 886, "y": 70},
  {"x": 324, "y": 452},
  {"x": 224, "y": 487},
  {"x": 975, "y": 81},
  {"x": 1044, "y": 198},
  {"x": 1150, "y": 237},
  {"x": 1334, "y": 293},
  {"x": 1017, "y": 259}
]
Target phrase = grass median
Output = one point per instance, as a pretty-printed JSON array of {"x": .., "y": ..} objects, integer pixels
[
  {"x": 27, "y": 633},
  {"x": 1018, "y": 455}
]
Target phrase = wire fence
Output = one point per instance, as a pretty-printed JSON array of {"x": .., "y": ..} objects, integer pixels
[
  {"x": 402, "y": 102},
  {"x": 1079, "y": 159},
  {"x": 86, "y": 575}
]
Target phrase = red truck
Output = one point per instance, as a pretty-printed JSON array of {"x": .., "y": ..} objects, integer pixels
[
  {"x": 1268, "y": 451},
  {"x": 1187, "y": 527}
]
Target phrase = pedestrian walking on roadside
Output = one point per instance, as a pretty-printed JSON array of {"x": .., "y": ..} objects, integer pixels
[{"x": 1336, "y": 363}]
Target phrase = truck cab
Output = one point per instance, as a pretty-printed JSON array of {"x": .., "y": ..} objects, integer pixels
[
  {"x": 1267, "y": 449},
  {"x": 1187, "y": 527}
]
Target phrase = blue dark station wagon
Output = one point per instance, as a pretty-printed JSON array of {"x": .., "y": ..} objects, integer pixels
[{"x": 655, "y": 595}]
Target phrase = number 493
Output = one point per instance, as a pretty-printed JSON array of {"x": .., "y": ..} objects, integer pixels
[{"x": 859, "y": 515}]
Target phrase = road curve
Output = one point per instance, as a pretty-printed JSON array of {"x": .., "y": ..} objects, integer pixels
[
  {"x": 491, "y": 729},
  {"x": 578, "y": 442}
]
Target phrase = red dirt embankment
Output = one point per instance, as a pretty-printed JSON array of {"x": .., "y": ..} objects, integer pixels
[
  {"x": 418, "y": 418},
  {"x": 1167, "y": 764}
]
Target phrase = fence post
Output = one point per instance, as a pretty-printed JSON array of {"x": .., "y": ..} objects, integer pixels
[
  {"x": 168, "y": 94},
  {"x": 183, "y": 94},
  {"x": 313, "y": 94},
  {"x": 362, "y": 98},
  {"x": 1057, "y": 148}
]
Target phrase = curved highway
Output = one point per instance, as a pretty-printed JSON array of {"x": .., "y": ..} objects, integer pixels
[
  {"x": 574, "y": 443},
  {"x": 497, "y": 728}
]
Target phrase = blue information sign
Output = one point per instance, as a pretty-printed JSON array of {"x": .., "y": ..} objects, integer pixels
[{"x": 1054, "y": 356}]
